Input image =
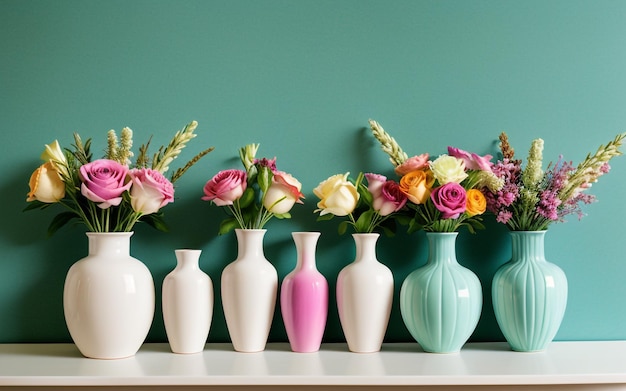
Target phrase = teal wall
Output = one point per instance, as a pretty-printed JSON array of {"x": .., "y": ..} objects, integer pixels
[{"x": 302, "y": 78}]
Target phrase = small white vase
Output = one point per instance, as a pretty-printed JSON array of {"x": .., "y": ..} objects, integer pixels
[
  {"x": 249, "y": 289},
  {"x": 364, "y": 297},
  {"x": 108, "y": 298},
  {"x": 187, "y": 304}
]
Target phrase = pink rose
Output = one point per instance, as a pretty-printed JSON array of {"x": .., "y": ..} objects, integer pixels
[
  {"x": 449, "y": 199},
  {"x": 412, "y": 164},
  {"x": 104, "y": 182},
  {"x": 391, "y": 199},
  {"x": 150, "y": 190},
  {"x": 283, "y": 193},
  {"x": 375, "y": 183},
  {"x": 472, "y": 160},
  {"x": 225, "y": 187}
]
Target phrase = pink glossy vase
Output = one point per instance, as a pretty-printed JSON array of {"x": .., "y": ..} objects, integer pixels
[{"x": 304, "y": 297}]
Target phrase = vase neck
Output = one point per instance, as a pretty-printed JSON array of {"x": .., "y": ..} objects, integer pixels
[
  {"x": 188, "y": 259},
  {"x": 250, "y": 243},
  {"x": 365, "y": 247},
  {"x": 109, "y": 243},
  {"x": 442, "y": 247},
  {"x": 306, "y": 242},
  {"x": 528, "y": 245}
]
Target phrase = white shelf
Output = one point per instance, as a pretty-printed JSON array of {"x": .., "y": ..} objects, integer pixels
[{"x": 599, "y": 365}]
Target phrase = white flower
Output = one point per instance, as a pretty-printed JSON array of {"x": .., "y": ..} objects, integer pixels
[{"x": 448, "y": 169}]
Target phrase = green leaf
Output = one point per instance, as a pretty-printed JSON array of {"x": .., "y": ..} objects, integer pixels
[
  {"x": 366, "y": 196},
  {"x": 228, "y": 225},
  {"x": 325, "y": 217},
  {"x": 283, "y": 216},
  {"x": 364, "y": 221},
  {"x": 246, "y": 198},
  {"x": 32, "y": 205},
  {"x": 155, "y": 220},
  {"x": 264, "y": 178},
  {"x": 403, "y": 219},
  {"x": 343, "y": 227},
  {"x": 59, "y": 221}
]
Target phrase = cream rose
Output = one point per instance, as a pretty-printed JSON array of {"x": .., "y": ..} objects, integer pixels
[
  {"x": 46, "y": 185},
  {"x": 338, "y": 196},
  {"x": 447, "y": 169},
  {"x": 283, "y": 193}
]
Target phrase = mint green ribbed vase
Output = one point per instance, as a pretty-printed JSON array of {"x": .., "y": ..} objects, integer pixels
[
  {"x": 529, "y": 294},
  {"x": 441, "y": 302}
]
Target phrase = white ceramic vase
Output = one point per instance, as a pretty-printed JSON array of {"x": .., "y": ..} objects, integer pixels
[
  {"x": 108, "y": 299},
  {"x": 364, "y": 297},
  {"x": 187, "y": 304},
  {"x": 249, "y": 289}
]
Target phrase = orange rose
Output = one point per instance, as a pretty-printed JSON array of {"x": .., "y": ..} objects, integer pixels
[
  {"x": 416, "y": 185},
  {"x": 476, "y": 202}
]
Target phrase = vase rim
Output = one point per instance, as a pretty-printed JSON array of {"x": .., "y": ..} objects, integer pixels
[
  {"x": 441, "y": 233},
  {"x": 250, "y": 229},
  {"x": 92, "y": 233}
]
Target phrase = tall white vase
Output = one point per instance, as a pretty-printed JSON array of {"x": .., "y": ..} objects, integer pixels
[
  {"x": 249, "y": 289},
  {"x": 364, "y": 297},
  {"x": 187, "y": 304},
  {"x": 108, "y": 298}
]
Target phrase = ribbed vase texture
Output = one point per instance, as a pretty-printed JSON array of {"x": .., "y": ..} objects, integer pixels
[
  {"x": 529, "y": 294},
  {"x": 441, "y": 302},
  {"x": 304, "y": 297}
]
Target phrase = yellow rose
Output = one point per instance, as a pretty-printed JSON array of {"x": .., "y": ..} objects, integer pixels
[
  {"x": 416, "y": 185},
  {"x": 448, "y": 169},
  {"x": 338, "y": 196},
  {"x": 54, "y": 154},
  {"x": 476, "y": 203},
  {"x": 46, "y": 185}
]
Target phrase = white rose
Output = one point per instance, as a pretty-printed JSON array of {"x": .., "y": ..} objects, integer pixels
[
  {"x": 448, "y": 169},
  {"x": 337, "y": 195}
]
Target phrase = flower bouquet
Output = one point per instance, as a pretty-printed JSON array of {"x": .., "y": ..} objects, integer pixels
[
  {"x": 367, "y": 207},
  {"x": 365, "y": 286},
  {"x": 249, "y": 284},
  {"x": 105, "y": 318},
  {"x": 441, "y": 302},
  {"x": 529, "y": 293},
  {"x": 531, "y": 199},
  {"x": 108, "y": 194},
  {"x": 253, "y": 195},
  {"x": 446, "y": 193}
]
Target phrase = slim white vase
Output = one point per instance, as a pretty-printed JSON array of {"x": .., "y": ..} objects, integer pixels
[
  {"x": 364, "y": 297},
  {"x": 108, "y": 298},
  {"x": 187, "y": 304},
  {"x": 249, "y": 289}
]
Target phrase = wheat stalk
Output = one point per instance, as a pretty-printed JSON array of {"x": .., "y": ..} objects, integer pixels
[{"x": 388, "y": 144}]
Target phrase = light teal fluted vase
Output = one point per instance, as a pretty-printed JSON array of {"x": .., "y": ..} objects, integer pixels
[
  {"x": 441, "y": 302},
  {"x": 529, "y": 294}
]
